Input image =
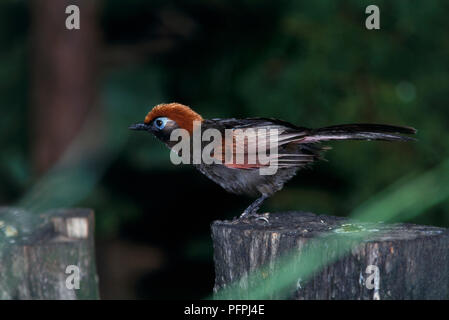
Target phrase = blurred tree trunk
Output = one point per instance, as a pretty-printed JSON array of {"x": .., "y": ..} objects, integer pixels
[{"x": 64, "y": 76}]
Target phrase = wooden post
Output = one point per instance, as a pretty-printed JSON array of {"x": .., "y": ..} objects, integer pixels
[
  {"x": 412, "y": 260},
  {"x": 41, "y": 256}
]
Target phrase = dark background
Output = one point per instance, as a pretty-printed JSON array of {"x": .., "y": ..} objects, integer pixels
[{"x": 68, "y": 96}]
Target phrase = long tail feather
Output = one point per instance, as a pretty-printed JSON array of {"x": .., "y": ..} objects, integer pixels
[{"x": 361, "y": 132}]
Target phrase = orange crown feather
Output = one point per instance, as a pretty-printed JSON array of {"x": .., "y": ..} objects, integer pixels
[{"x": 181, "y": 114}]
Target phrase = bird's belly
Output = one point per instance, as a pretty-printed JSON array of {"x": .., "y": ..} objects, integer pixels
[{"x": 247, "y": 181}]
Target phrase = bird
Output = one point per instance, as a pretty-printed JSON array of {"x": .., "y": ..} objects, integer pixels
[{"x": 297, "y": 147}]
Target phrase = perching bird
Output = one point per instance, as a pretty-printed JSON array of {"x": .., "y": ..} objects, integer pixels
[{"x": 297, "y": 147}]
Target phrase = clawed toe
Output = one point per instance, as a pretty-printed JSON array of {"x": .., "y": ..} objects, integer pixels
[
  {"x": 262, "y": 217},
  {"x": 255, "y": 216}
]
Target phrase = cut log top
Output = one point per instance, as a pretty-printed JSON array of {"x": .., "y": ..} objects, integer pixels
[{"x": 309, "y": 225}]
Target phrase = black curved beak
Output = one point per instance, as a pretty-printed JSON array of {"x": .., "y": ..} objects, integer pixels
[{"x": 139, "y": 126}]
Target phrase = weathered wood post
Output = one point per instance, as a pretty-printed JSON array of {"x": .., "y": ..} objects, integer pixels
[
  {"x": 50, "y": 256},
  {"x": 396, "y": 261}
]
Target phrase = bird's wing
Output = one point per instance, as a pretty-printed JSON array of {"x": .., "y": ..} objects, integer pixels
[
  {"x": 252, "y": 138},
  {"x": 259, "y": 142}
]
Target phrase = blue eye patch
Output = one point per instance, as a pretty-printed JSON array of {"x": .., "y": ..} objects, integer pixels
[{"x": 160, "y": 122}]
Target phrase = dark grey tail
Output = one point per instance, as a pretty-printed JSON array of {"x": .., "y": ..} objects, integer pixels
[{"x": 362, "y": 131}]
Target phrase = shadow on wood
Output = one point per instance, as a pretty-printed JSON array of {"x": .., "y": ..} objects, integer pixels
[
  {"x": 412, "y": 261},
  {"x": 35, "y": 252}
]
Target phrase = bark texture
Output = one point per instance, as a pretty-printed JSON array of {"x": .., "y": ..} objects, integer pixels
[{"x": 413, "y": 260}]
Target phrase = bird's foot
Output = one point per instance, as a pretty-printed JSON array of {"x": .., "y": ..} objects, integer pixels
[
  {"x": 245, "y": 216},
  {"x": 251, "y": 211}
]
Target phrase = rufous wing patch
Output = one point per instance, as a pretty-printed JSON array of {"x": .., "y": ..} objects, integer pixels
[{"x": 256, "y": 143}]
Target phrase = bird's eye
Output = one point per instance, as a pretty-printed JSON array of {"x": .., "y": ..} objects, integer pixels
[{"x": 160, "y": 122}]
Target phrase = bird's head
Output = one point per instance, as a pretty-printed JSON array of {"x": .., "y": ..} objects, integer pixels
[{"x": 166, "y": 117}]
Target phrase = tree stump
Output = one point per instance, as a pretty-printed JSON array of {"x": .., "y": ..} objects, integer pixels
[
  {"x": 394, "y": 261},
  {"x": 48, "y": 256}
]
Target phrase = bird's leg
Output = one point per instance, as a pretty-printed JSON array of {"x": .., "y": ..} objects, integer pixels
[{"x": 251, "y": 211}]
